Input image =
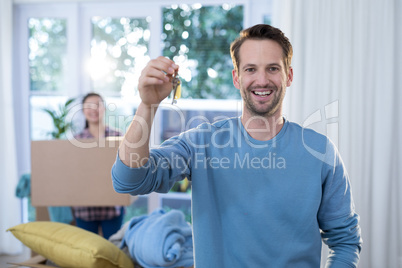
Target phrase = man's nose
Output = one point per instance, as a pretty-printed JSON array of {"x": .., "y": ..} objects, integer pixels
[{"x": 262, "y": 78}]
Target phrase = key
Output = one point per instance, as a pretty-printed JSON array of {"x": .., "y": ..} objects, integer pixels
[{"x": 176, "y": 88}]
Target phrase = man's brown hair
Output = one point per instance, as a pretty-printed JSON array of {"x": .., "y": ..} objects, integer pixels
[{"x": 262, "y": 32}]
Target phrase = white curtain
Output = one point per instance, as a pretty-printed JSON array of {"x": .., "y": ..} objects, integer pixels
[
  {"x": 10, "y": 211},
  {"x": 348, "y": 82}
]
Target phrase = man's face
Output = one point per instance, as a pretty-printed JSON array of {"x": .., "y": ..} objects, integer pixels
[{"x": 262, "y": 78}]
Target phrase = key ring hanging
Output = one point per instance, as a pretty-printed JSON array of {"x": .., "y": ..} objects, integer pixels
[{"x": 176, "y": 83}]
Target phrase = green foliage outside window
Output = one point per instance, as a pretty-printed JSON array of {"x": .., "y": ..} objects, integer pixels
[
  {"x": 198, "y": 39},
  {"x": 119, "y": 49},
  {"x": 47, "y": 53}
]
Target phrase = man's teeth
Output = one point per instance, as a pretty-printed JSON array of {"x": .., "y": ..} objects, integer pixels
[{"x": 263, "y": 93}]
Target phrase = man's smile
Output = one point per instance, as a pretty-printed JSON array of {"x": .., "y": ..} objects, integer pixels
[{"x": 262, "y": 93}]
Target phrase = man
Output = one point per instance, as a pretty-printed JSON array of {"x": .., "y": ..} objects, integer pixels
[{"x": 265, "y": 191}]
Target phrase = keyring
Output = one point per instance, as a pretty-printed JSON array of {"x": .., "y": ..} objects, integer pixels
[{"x": 176, "y": 88}]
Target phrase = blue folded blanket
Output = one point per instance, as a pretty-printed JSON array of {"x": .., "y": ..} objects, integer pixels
[{"x": 162, "y": 239}]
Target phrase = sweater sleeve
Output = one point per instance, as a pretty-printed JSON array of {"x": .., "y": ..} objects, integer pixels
[
  {"x": 337, "y": 218},
  {"x": 163, "y": 168}
]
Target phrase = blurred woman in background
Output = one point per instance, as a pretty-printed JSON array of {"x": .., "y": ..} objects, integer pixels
[{"x": 100, "y": 220}]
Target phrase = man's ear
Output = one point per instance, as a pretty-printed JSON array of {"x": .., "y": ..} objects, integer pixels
[
  {"x": 290, "y": 77},
  {"x": 235, "y": 79}
]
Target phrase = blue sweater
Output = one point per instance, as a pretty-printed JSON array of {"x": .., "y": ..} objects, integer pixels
[{"x": 256, "y": 203}]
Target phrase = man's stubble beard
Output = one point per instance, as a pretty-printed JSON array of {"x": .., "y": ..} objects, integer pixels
[{"x": 272, "y": 107}]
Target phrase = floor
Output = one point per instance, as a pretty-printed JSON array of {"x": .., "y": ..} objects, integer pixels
[{"x": 5, "y": 259}]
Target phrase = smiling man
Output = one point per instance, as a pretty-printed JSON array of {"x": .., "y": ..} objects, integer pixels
[
  {"x": 262, "y": 74},
  {"x": 265, "y": 191}
]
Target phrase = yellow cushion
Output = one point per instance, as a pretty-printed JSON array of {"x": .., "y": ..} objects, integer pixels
[{"x": 70, "y": 246}]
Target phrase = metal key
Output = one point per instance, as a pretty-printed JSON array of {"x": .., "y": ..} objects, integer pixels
[{"x": 176, "y": 88}]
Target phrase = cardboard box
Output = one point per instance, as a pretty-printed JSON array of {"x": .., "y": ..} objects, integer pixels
[{"x": 74, "y": 173}]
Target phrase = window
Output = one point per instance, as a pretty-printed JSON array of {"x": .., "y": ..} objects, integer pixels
[
  {"x": 108, "y": 46},
  {"x": 47, "y": 44},
  {"x": 198, "y": 37},
  {"x": 119, "y": 51},
  {"x": 47, "y": 53}
]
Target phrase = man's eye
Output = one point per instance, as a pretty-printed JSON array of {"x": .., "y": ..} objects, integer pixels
[
  {"x": 249, "y": 70},
  {"x": 273, "y": 69}
]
